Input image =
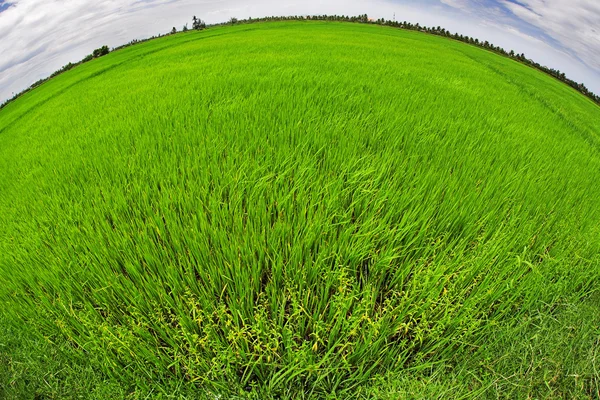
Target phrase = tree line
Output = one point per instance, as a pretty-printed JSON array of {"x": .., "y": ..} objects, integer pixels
[
  {"x": 438, "y": 31},
  {"x": 99, "y": 52},
  {"x": 198, "y": 24}
]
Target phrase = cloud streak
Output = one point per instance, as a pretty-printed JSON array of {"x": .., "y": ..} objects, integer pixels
[
  {"x": 567, "y": 25},
  {"x": 40, "y": 36},
  {"x": 573, "y": 23}
]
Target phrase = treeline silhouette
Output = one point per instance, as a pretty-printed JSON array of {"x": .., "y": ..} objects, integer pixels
[
  {"x": 198, "y": 24},
  {"x": 438, "y": 31},
  {"x": 99, "y": 52}
]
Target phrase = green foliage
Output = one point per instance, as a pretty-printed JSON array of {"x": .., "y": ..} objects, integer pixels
[
  {"x": 296, "y": 220},
  {"x": 198, "y": 24},
  {"x": 102, "y": 51}
]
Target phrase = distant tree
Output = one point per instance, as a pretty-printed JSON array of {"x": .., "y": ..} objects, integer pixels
[
  {"x": 173, "y": 31},
  {"x": 102, "y": 51},
  {"x": 185, "y": 28},
  {"x": 233, "y": 20},
  {"x": 198, "y": 24}
]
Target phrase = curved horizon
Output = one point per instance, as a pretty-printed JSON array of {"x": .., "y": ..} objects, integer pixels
[{"x": 41, "y": 37}]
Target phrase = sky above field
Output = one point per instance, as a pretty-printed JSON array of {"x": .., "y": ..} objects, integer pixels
[{"x": 37, "y": 37}]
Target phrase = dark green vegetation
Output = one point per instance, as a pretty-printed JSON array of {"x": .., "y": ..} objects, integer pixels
[{"x": 300, "y": 209}]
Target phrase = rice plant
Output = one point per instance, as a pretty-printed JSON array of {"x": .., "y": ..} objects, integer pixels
[{"x": 295, "y": 209}]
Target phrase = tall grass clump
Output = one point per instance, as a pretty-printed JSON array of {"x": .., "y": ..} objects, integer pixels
[{"x": 294, "y": 208}]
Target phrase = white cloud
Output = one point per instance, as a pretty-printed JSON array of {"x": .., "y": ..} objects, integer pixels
[
  {"x": 39, "y": 36},
  {"x": 457, "y": 3},
  {"x": 572, "y": 23},
  {"x": 561, "y": 34}
]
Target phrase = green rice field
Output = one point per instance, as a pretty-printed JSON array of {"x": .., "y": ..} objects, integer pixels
[{"x": 300, "y": 210}]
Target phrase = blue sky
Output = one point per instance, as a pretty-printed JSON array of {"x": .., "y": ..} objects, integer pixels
[
  {"x": 4, "y": 5},
  {"x": 37, "y": 37},
  {"x": 569, "y": 25}
]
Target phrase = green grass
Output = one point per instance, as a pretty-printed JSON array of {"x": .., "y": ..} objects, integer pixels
[{"x": 300, "y": 210}]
